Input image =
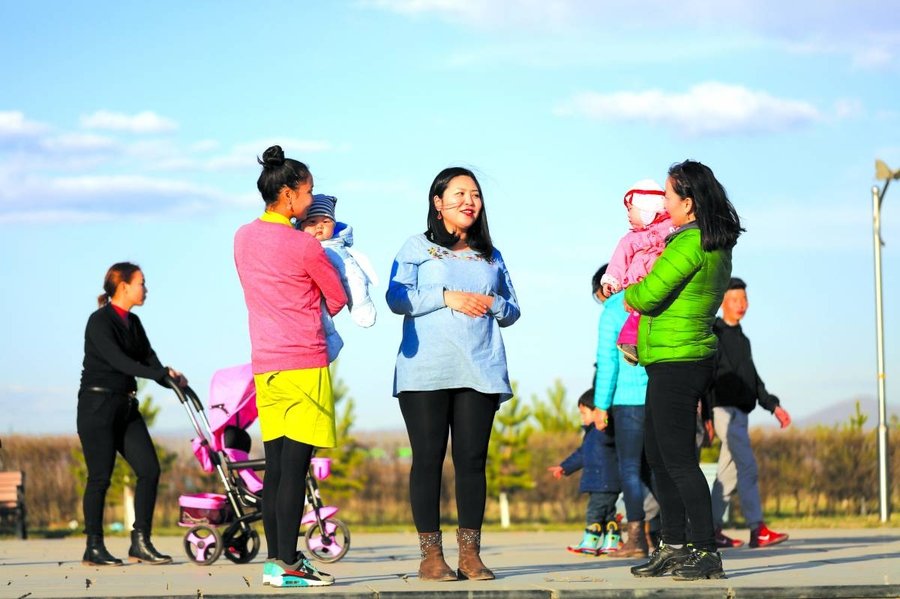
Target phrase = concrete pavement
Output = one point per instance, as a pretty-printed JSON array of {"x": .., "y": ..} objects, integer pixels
[{"x": 836, "y": 563}]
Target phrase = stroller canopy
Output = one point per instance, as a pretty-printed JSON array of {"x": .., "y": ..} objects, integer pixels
[{"x": 232, "y": 402}]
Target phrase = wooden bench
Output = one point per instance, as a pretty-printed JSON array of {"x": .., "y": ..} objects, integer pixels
[{"x": 12, "y": 501}]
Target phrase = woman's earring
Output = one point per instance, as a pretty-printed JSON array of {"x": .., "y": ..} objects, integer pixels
[{"x": 439, "y": 217}]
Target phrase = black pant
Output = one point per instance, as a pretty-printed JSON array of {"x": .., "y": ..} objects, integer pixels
[
  {"x": 673, "y": 390},
  {"x": 430, "y": 416},
  {"x": 284, "y": 491},
  {"x": 110, "y": 423}
]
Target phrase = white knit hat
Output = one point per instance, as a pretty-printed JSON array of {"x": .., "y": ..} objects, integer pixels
[{"x": 648, "y": 197}]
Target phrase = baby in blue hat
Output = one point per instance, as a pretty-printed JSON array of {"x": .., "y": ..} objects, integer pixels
[{"x": 354, "y": 268}]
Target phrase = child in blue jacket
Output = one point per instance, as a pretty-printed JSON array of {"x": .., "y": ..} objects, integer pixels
[{"x": 596, "y": 458}]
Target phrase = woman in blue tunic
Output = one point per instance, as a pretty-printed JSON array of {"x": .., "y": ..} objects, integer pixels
[{"x": 454, "y": 292}]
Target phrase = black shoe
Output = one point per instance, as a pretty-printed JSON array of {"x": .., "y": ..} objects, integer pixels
[
  {"x": 700, "y": 565},
  {"x": 662, "y": 561},
  {"x": 96, "y": 554},
  {"x": 142, "y": 550}
]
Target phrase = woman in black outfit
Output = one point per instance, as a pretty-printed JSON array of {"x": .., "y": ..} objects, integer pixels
[{"x": 116, "y": 350}]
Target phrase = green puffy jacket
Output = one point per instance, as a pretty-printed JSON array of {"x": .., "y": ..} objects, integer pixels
[{"x": 678, "y": 300}]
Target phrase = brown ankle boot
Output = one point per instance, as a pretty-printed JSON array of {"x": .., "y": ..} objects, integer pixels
[
  {"x": 636, "y": 544},
  {"x": 470, "y": 565},
  {"x": 433, "y": 567}
]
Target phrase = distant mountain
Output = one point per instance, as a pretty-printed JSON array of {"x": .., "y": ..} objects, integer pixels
[{"x": 840, "y": 412}]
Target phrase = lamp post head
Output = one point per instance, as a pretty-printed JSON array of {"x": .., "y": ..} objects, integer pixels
[{"x": 884, "y": 173}]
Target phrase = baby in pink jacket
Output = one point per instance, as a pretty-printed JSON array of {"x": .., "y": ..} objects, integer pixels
[{"x": 637, "y": 251}]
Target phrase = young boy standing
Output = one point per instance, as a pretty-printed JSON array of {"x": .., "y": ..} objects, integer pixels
[
  {"x": 735, "y": 392},
  {"x": 596, "y": 458}
]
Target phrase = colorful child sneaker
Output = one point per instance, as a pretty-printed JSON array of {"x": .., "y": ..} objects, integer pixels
[
  {"x": 590, "y": 542},
  {"x": 723, "y": 541},
  {"x": 300, "y": 574},
  {"x": 613, "y": 540},
  {"x": 629, "y": 352},
  {"x": 761, "y": 536}
]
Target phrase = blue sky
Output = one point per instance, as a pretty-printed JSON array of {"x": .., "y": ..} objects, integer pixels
[{"x": 129, "y": 131}]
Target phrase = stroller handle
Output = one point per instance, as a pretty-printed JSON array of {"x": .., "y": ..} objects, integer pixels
[{"x": 184, "y": 394}]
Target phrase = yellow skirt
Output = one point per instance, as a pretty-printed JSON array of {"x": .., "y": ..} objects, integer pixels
[{"x": 297, "y": 404}]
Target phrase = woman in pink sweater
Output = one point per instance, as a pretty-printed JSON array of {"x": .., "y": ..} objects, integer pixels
[{"x": 285, "y": 275}]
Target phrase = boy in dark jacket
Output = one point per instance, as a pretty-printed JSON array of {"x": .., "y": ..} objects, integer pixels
[{"x": 596, "y": 458}]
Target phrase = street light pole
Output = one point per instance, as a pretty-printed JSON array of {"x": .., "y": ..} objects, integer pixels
[
  {"x": 882, "y": 172},
  {"x": 884, "y": 489}
]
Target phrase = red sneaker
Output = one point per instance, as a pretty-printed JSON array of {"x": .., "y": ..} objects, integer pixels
[
  {"x": 763, "y": 537},
  {"x": 726, "y": 542}
]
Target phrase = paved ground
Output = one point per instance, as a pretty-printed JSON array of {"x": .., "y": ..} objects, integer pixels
[{"x": 814, "y": 563}]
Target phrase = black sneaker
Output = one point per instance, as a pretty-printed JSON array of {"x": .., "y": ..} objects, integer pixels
[
  {"x": 700, "y": 565},
  {"x": 662, "y": 561}
]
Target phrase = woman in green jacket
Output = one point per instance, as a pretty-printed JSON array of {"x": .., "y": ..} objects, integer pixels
[{"x": 678, "y": 301}]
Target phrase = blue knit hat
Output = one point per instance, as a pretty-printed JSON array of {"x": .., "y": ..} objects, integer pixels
[{"x": 322, "y": 205}]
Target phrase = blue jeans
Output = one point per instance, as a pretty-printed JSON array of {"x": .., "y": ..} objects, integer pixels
[
  {"x": 633, "y": 469},
  {"x": 601, "y": 507}
]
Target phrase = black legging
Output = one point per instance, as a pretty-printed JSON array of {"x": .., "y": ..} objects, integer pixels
[
  {"x": 429, "y": 417},
  {"x": 670, "y": 426},
  {"x": 284, "y": 492},
  {"x": 110, "y": 423}
]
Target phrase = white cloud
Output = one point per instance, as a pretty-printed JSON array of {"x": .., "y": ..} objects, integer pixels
[
  {"x": 101, "y": 197},
  {"x": 14, "y": 124},
  {"x": 482, "y": 11},
  {"x": 836, "y": 27},
  {"x": 706, "y": 109},
  {"x": 77, "y": 142},
  {"x": 142, "y": 122},
  {"x": 113, "y": 175}
]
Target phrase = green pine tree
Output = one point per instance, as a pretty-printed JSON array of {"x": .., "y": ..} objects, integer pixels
[
  {"x": 554, "y": 415},
  {"x": 347, "y": 457},
  {"x": 509, "y": 461}
]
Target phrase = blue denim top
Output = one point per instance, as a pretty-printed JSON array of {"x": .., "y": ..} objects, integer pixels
[{"x": 442, "y": 348}]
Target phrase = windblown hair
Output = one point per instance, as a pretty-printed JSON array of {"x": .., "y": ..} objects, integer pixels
[
  {"x": 279, "y": 172},
  {"x": 719, "y": 223},
  {"x": 120, "y": 272},
  {"x": 478, "y": 237}
]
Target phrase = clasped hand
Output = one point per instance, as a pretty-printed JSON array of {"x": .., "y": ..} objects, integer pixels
[{"x": 475, "y": 305}]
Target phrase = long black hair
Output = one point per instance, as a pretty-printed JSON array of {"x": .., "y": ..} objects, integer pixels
[
  {"x": 478, "y": 236},
  {"x": 719, "y": 223},
  {"x": 279, "y": 172}
]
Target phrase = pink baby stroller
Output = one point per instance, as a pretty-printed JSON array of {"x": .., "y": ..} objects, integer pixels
[{"x": 224, "y": 447}]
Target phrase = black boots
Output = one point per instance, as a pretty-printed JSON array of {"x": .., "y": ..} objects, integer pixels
[
  {"x": 142, "y": 550},
  {"x": 96, "y": 554},
  {"x": 662, "y": 561}
]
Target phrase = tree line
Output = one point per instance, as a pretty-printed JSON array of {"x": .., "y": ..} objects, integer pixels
[{"x": 815, "y": 471}]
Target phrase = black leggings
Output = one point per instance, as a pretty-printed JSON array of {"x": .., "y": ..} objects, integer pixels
[
  {"x": 110, "y": 423},
  {"x": 284, "y": 493},
  {"x": 670, "y": 425},
  {"x": 429, "y": 417}
]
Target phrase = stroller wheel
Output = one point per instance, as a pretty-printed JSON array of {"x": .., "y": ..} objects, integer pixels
[
  {"x": 330, "y": 545},
  {"x": 203, "y": 544},
  {"x": 241, "y": 543}
]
